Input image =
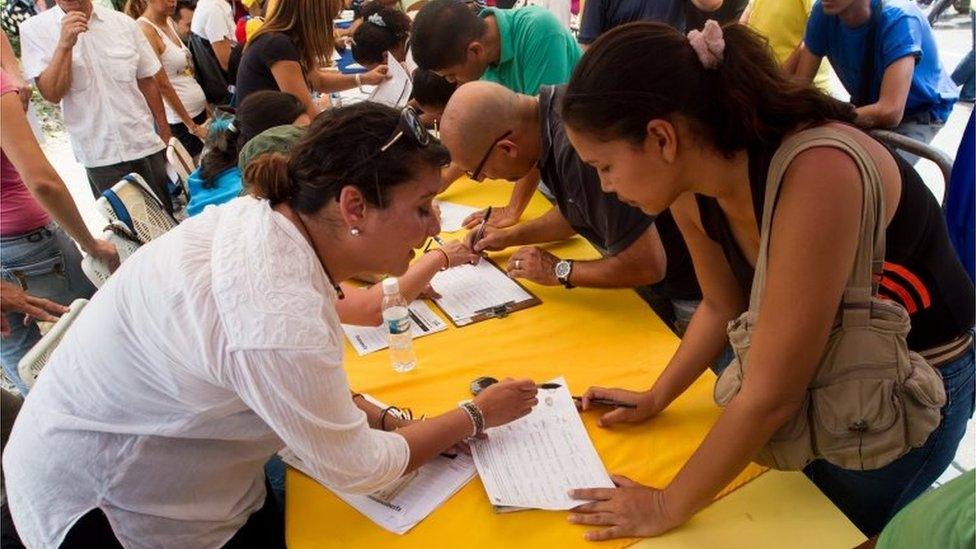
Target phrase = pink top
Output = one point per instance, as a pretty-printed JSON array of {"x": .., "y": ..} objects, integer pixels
[{"x": 19, "y": 212}]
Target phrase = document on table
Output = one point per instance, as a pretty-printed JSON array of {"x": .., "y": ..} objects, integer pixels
[
  {"x": 453, "y": 215},
  {"x": 534, "y": 461},
  {"x": 399, "y": 506},
  {"x": 433, "y": 484},
  {"x": 395, "y": 90},
  {"x": 369, "y": 339},
  {"x": 468, "y": 292}
]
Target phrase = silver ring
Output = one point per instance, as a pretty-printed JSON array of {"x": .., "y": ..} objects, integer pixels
[{"x": 518, "y": 263}]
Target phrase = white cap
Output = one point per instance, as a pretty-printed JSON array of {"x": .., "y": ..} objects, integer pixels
[{"x": 391, "y": 285}]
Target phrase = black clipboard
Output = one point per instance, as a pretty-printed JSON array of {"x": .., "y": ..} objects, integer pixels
[{"x": 499, "y": 311}]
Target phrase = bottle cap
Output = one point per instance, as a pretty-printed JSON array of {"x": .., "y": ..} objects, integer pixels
[{"x": 391, "y": 286}]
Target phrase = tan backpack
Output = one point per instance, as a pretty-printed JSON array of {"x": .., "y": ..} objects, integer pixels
[{"x": 871, "y": 399}]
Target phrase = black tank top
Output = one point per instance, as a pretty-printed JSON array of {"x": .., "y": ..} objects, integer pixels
[{"x": 921, "y": 270}]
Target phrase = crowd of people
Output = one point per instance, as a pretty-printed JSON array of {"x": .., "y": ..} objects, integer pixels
[{"x": 693, "y": 143}]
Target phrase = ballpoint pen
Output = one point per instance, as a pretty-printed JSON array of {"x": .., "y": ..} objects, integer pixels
[
  {"x": 608, "y": 402},
  {"x": 481, "y": 228}
]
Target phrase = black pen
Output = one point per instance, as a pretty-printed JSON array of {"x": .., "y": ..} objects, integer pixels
[
  {"x": 481, "y": 229},
  {"x": 608, "y": 402}
]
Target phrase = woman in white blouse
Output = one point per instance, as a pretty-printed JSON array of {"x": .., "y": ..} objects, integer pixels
[{"x": 218, "y": 344}]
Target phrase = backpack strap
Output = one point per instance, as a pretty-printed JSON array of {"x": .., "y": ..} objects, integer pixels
[
  {"x": 120, "y": 210},
  {"x": 869, "y": 259}
]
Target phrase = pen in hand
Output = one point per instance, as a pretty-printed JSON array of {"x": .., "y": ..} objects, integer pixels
[
  {"x": 607, "y": 402},
  {"x": 481, "y": 228}
]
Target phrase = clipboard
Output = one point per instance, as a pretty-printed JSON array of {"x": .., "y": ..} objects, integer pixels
[{"x": 497, "y": 310}]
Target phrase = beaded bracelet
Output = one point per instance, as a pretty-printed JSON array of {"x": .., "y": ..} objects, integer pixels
[{"x": 477, "y": 418}]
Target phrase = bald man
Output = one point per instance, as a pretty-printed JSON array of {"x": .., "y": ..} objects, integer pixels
[{"x": 520, "y": 133}]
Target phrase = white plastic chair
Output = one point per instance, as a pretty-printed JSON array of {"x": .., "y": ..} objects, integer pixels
[
  {"x": 133, "y": 203},
  {"x": 33, "y": 362},
  {"x": 125, "y": 242},
  {"x": 181, "y": 162}
]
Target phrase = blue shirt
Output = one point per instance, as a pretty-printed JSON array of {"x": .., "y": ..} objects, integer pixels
[
  {"x": 903, "y": 30},
  {"x": 227, "y": 187},
  {"x": 599, "y": 16}
]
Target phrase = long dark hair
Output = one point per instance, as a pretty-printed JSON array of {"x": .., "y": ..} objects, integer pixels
[
  {"x": 340, "y": 149},
  {"x": 644, "y": 71}
]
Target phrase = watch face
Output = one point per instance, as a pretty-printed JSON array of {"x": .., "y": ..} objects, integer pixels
[{"x": 562, "y": 269}]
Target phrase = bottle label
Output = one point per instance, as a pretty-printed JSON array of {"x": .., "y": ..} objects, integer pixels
[{"x": 398, "y": 325}]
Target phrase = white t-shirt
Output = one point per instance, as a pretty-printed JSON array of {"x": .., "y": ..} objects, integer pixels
[
  {"x": 214, "y": 20},
  {"x": 210, "y": 349},
  {"x": 107, "y": 116}
]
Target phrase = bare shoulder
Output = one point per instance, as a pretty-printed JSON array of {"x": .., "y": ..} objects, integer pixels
[{"x": 826, "y": 167}]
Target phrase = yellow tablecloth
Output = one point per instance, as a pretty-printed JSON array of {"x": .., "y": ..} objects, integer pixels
[{"x": 605, "y": 337}]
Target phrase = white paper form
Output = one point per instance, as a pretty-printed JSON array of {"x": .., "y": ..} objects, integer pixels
[
  {"x": 534, "y": 461},
  {"x": 369, "y": 339},
  {"x": 453, "y": 215},
  {"x": 426, "y": 490},
  {"x": 467, "y": 289},
  {"x": 433, "y": 484},
  {"x": 395, "y": 90}
]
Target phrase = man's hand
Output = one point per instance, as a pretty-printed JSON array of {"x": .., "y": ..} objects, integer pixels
[
  {"x": 14, "y": 299},
  {"x": 535, "y": 264},
  {"x": 504, "y": 216},
  {"x": 73, "y": 24},
  {"x": 493, "y": 240}
]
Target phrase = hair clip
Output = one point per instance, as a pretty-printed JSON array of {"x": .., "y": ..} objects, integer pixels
[{"x": 377, "y": 20}]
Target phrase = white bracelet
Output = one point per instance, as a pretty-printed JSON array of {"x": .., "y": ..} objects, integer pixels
[{"x": 359, "y": 82}]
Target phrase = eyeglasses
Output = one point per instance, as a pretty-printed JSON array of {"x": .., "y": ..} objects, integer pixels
[{"x": 476, "y": 174}]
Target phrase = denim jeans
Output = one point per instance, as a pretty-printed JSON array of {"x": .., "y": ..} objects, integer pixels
[
  {"x": 46, "y": 263},
  {"x": 871, "y": 498},
  {"x": 920, "y": 127}
]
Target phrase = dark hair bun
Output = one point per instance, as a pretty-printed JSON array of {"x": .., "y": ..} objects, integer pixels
[{"x": 267, "y": 177}]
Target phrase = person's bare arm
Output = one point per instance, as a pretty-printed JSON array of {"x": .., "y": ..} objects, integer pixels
[
  {"x": 289, "y": 77},
  {"x": 509, "y": 215},
  {"x": 10, "y": 65},
  {"x": 705, "y": 338},
  {"x": 549, "y": 227},
  {"x": 18, "y": 143},
  {"x": 328, "y": 81},
  {"x": 802, "y": 64},
  {"x": 363, "y": 307},
  {"x": 150, "y": 91},
  {"x": 222, "y": 50},
  {"x": 816, "y": 229},
  {"x": 643, "y": 262},
  {"x": 55, "y": 80},
  {"x": 890, "y": 108}
]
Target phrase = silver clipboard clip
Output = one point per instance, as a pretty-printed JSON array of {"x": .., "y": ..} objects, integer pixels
[{"x": 495, "y": 311}]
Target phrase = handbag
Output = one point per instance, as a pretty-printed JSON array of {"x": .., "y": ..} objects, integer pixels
[
  {"x": 871, "y": 400},
  {"x": 217, "y": 85}
]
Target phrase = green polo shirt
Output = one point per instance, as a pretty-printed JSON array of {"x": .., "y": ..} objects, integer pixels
[
  {"x": 943, "y": 517},
  {"x": 536, "y": 50}
]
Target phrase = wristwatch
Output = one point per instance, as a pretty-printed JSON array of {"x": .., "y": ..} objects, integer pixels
[{"x": 563, "y": 269}]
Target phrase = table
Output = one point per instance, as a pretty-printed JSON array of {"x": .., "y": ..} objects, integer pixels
[{"x": 606, "y": 337}]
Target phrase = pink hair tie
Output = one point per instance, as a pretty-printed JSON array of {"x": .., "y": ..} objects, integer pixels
[{"x": 708, "y": 43}]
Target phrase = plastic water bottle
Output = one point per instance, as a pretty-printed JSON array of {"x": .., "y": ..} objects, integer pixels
[{"x": 396, "y": 318}]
